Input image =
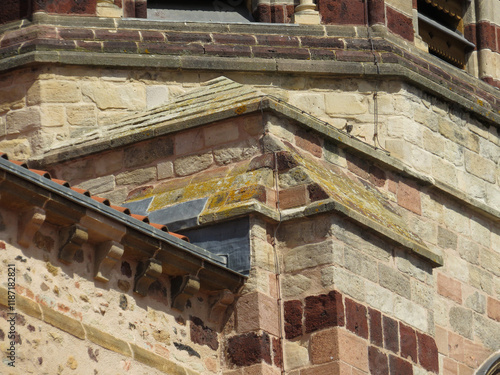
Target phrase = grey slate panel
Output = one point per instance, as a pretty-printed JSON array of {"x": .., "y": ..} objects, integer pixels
[
  {"x": 230, "y": 239},
  {"x": 139, "y": 207},
  {"x": 180, "y": 216}
]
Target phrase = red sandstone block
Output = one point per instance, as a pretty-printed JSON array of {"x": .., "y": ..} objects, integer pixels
[
  {"x": 399, "y": 24},
  {"x": 358, "y": 166},
  {"x": 450, "y": 367},
  {"x": 427, "y": 353},
  {"x": 449, "y": 288},
  {"x": 152, "y": 36},
  {"x": 234, "y": 39},
  {"x": 376, "y": 336},
  {"x": 358, "y": 44},
  {"x": 126, "y": 35},
  {"x": 333, "y": 368},
  {"x": 494, "y": 309},
  {"x": 343, "y": 12},
  {"x": 464, "y": 370},
  {"x": 391, "y": 334},
  {"x": 324, "y": 311},
  {"x": 316, "y": 42},
  {"x": 284, "y": 53},
  {"x": 474, "y": 354},
  {"x": 76, "y": 34},
  {"x": 18, "y": 36},
  {"x": 376, "y": 10},
  {"x": 309, "y": 142},
  {"x": 277, "y": 40},
  {"x": 356, "y": 320},
  {"x": 227, "y": 51},
  {"x": 399, "y": 366},
  {"x": 89, "y": 46},
  {"x": 249, "y": 349},
  {"x": 322, "y": 54},
  {"x": 200, "y": 334},
  {"x": 188, "y": 37},
  {"x": 408, "y": 342},
  {"x": 293, "y": 318},
  {"x": 316, "y": 192},
  {"x": 456, "y": 346},
  {"x": 170, "y": 49},
  {"x": 325, "y": 346},
  {"x": 353, "y": 350},
  {"x": 277, "y": 353},
  {"x": 293, "y": 197},
  {"x": 119, "y": 47},
  {"x": 377, "y": 361},
  {"x": 377, "y": 176},
  {"x": 356, "y": 56},
  {"x": 409, "y": 197},
  {"x": 485, "y": 36}
]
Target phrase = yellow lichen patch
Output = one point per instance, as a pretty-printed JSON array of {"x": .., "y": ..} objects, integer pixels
[{"x": 240, "y": 110}]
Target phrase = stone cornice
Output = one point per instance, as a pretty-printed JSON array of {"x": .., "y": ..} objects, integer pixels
[{"x": 348, "y": 51}]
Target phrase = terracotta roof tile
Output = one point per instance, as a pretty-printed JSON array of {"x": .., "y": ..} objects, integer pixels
[{"x": 101, "y": 200}]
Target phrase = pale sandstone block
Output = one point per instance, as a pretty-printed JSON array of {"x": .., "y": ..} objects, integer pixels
[
  {"x": 461, "y": 321},
  {"x": 258, "y": 280},
  {"x": 491, "y": 261},
  {"x": 433, "y": 142},
  {"x": 136, "y": 177},
  {"x": 456, "y": 267},
  {"x": 294, "y": 285},
  {"x": 309, "y": 102},
  {"x": 260, "y": 369},
  {"x": 81, "y": 114},
  {"x": 189, "y": 141},
  {"x": 379, "y": 298},
  {"x": 492, "y": 195},
  {"x": 346, "y": 282},
  {"x": 402, "y": 5},
  {"x": 345, "y": 104},
  {"x": 165, "y": 170},
  {"x": 393, "y": 280},
  {"x": 63, "y": 322},
  {"x": 236, "y": 152},
  {"x": 52, "y": 115},
  {"x": 17, "y": 149},
  {"x": 480, "y": 166},
  {"x": 480, "y": 279},
  {"x": 313, "y": 255},
  {"x": 194, "y": 163},
  {"x": 54, "y": 91},
  {"x": 410, "y": 313},
  {"x": 454, "y": 153},
  {"x": 107, "y": 340},
  {"x": 110, "y": 95},
  {"x": 99, "y": 185},
  {"x": 296, "y": 356},
  {"x": 108, "y": 9},
  {"x": 156, "y": 96},
  {"x": 262, "y": 254},
  {"x": 23, "y": 120},
  {"x": 421, "y": 160},
  {"x": 457, "y": 221}
]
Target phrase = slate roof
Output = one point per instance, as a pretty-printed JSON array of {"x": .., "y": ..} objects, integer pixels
[{"x": 24, "y": 187}]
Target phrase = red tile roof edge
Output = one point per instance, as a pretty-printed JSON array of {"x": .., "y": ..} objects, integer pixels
[{"x": 101, "y": 200}]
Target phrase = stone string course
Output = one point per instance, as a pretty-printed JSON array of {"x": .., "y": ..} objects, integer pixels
[
  {"x": 315, "y": 44},
  {"x": 91, "y": 334}
]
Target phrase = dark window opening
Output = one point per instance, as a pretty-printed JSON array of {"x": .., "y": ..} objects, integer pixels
[
  {"x": 440, "y": 24},
  {"x": 200, "y": 10}
]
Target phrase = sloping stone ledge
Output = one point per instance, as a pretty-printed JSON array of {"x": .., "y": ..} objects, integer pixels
[
  {"x": 93, "y": 335},
  {"x": 317, "y": 50}
]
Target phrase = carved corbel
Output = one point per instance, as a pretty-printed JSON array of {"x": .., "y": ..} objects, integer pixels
[
  {"x": 146, "y": 275},
  {"x": 72, "y": 238},
  {"x": 106, "y": 256},
  {"x": 183, "y": 288},
  {"x": 29, "y": 223},
  {"x": 220, "y": 303}
]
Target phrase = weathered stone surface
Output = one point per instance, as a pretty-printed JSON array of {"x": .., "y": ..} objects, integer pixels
[
  {"x": 81, "y": 114},
  {"x": 394, "y": 280},
  {"x": 296, "y": 356},
  {"x": 23, "y": 120},
  {"x": 165, "y": 170},
  {"x": 391, "y": 334},
  {"x": 294, "y": 285},
  {"x": 256, "y": 311},
  {"x": 323, "y": 311},
  {"x": 427, "y": 353},
  {"x": 99, "y": 185},
  {"x": 236, "y": 152},
  {"x": 360, "y": 264},
  {"x": 325, "y": 346},
  {"x": 487, "y": 330},
  {"x": 480, "y": 167},
  {"x": 293, "y": 318},
  {"x": 345, "y": 104},
  {"x": 410, "y": 313},
  {"x": 107, "y": 340},
  {"x": 54, "y": 91},
  {"x": 191, "y": 164},
  {"x": 378, "y": 363},
  {"x": 136, "y": 177},
  {"x": 356, "y": 318},
  {"x": 461, "y": 321},
  {"x": 249, "y": 349},
  {"x": 109, "y": 95},
  {"x": 200, "y": 334},
  {"x": 313, "y": 255}
]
